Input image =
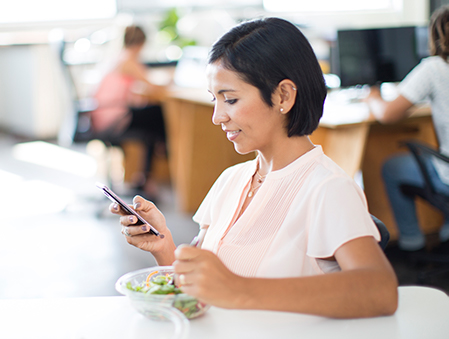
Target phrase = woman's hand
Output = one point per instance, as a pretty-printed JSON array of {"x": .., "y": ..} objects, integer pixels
[
  {"x": 202, "y": 274},
  {"x": 140, "y": 236},
  {"x": 387, "y": 112},
  {"x": 374, "y": 93},
  {"x": 365, "y": 287}
]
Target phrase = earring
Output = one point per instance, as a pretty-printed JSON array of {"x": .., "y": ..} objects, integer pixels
[
  {"x": 294, "y": 88},
  {"x": 282, "y": 110}
]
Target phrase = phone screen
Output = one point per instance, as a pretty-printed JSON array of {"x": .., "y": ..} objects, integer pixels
[{"x": 115, "y": 198}]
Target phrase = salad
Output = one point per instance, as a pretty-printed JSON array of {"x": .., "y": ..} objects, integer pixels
[
  {"x": 156, "y": 284},
  {"x": 159, "y": 283}
]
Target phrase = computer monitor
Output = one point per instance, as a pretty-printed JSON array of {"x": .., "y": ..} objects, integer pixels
[{"x": 372, "y": 56}]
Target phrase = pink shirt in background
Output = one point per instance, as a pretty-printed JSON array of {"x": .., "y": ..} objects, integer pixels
[
  {"x": 113, "y": 97},
  {"x": 301, "y": 213}
]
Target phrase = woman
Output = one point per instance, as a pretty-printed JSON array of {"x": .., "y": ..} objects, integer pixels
[
  {"x": 271, "y": 228},
  {"x": 128, "y": 104},
  {"x": 430, "y": 79}
]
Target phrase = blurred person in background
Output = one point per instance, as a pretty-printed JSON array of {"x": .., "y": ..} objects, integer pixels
[
  {"x": 429, "y": 79},
  {"x": 129, "y": 107}
]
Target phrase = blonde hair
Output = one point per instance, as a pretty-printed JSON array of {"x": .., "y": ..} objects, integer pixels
[
  {"x": 439, "y": 32},
  {"x": 134, "y": 36}
]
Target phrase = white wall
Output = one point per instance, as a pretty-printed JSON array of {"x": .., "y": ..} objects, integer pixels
[
  {"x": 414, "y": 12},
  {"x": 15, "y": 85},
  {"x": 32, "y": 97}
]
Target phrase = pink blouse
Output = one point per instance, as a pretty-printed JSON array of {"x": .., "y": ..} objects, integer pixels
[
  {"x": 113, "y": 97},
  {"x": 302, "y": 212}
]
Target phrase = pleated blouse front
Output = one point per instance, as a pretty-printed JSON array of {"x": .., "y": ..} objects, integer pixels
[{"x": 302, "y": 212}]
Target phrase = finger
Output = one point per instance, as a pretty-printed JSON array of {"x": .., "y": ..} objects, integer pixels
[
  {"x": 117, "y": 209},
  {"x": 140, "y": 240},
  {"x": 125, "y": 231},
  {"x": 182, "y": 280},
  {"x": 187, "y": 259},
  {"x": 114, "y": 208},
  {"x": 128, "y": 220},
  {"x": 185, "y": 279},
  {"x": 141, "y": 204},
  {"x": 186, "y": 252},
  {"x": 132, "y": 231}
]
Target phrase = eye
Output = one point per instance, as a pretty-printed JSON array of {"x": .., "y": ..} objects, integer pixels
[
  {"x": 231, "y": 101},
  {"x": 213, "y": 99}
]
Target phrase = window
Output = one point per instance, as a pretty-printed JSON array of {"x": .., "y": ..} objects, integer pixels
[
  {"x": 330, "y": 5},
  {"x": 23, "y": 11}
]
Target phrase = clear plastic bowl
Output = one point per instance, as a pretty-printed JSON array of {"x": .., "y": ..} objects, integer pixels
[{"x": 145, "y": 303}]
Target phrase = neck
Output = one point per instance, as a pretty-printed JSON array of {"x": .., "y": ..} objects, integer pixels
[
  {"x": 133, "y": 51},
  {"x": 284, "y": 154}
]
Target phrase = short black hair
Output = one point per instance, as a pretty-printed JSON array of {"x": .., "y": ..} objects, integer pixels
[{"x": 264, "y": 52}]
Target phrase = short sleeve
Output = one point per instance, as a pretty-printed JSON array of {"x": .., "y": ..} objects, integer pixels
[
  {"x": 203, "y": 214},
  {"x": 417, "y": 85},
  {"x": 340, "y": 214}
]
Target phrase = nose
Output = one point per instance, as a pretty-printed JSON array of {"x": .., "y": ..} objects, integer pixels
[{"x": 219, "y": 115}]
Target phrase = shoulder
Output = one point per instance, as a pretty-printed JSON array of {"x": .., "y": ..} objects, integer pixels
[
  {"x": 434, "y": 60},
  {"x": 330, "y": 181},
  {"x": 316, "y": 174},
  {"x": 327, "y": 169},
  {"x": 424, "y": 79},
  {"x": 432, "y": 64},
  {"x": 318, "y": 168},
  {"x": 131, "y": 67}
]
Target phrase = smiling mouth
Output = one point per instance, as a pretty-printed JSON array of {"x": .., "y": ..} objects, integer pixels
[{"x": 231, "y": 135}]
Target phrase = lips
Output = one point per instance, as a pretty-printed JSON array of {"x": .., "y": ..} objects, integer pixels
[{"x": 231, "y": 135}]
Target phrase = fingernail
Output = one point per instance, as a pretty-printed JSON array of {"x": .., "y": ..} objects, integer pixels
[
  {"x": 115, "y": 207},
  {"x": 144, "y": 228},
  {"x": 131, "y": 218},
  {"x": 136, "y": 205}
]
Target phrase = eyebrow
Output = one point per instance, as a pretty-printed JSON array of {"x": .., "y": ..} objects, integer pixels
[
  {"x": 225, "y": 91},
  {"x": 222, "y": 91}
]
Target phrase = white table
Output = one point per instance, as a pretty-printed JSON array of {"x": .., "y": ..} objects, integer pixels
[{"x": 422, "y": 313}]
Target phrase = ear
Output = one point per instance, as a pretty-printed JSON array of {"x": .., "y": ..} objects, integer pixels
[{"x": 285, "y": 96}]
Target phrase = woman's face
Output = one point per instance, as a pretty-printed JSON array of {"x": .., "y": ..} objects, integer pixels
[{"x": 248, "y": 121}]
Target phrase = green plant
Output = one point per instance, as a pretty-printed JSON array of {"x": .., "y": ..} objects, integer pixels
[{"x": 169, "y": 26}]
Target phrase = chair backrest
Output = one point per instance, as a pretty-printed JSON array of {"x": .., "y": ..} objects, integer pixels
[
  {"x": 83, "y": 130},
  {"x": 79, "y": 126},
  {"x": 428, "y": 192},
  {"x": 384, "y": 234}
]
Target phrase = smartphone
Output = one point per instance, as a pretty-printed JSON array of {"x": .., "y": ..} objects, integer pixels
[{"x": 115, "y": 198}]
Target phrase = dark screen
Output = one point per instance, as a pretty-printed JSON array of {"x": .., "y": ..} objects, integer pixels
[{"x": 370, "y": 56}]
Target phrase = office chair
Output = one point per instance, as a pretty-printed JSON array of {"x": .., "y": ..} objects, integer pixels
[
  {"x": 77, "y": 126},
  {"x": 81, "y": 108},
  {"x": 437, "y": 199},
  {"x": 80, "y": 129},
  {"x": 384, "y": 234},
  {"x": 83, "y": 130}
]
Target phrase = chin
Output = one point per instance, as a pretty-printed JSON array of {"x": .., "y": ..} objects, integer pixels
[{"x": 241, "y": 150}]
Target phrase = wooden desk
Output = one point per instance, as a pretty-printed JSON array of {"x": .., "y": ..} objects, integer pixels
[
  {"x": 199, "y": 150},
  {"x": 383, "y": 142}
]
